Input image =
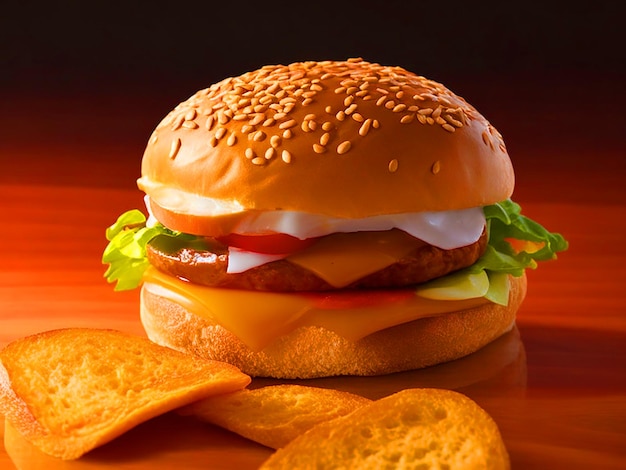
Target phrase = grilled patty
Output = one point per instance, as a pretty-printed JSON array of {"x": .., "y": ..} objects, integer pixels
[{"x": 206, "y": 264}]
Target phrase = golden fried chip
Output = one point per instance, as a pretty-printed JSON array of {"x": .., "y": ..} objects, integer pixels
[
  {"x": 412, "y": 429},
  {"x": 69, "y": 391},
  {"x": 275, "y": 415}
]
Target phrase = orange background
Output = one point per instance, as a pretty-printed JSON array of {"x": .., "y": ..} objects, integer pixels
[{"x": 82, "y": 90}]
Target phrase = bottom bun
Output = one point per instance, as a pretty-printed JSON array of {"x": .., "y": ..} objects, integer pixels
[{"x": 310, "y": 352}]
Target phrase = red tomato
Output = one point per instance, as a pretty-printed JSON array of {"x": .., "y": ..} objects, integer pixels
[{"x": 274, "y": 244}]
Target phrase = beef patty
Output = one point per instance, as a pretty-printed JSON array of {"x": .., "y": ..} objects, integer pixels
[{"x": 205, "y": 262}]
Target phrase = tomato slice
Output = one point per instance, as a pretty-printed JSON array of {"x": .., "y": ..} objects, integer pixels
[{"x": 273, "y": 244}]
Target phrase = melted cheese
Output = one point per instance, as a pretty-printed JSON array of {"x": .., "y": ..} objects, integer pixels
[
  {"x": 259, "y": 318},
  {"x": 341, "y": 259}
]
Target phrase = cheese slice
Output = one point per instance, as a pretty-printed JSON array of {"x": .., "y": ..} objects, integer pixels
[
  {"x": 342, "y": 258},
  {"x": 259, "y": 318}
]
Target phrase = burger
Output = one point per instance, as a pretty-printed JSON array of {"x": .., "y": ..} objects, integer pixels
[{"x": 326, "y": 218}]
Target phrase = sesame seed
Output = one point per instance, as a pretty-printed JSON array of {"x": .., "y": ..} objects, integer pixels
[
  {"x": 453, "y": 121},
  {"x": 190, "y": 125},
  {"x": 437, "y": 112},
  {"x": 328, "y": 126},
  {"x": 246, "y": 128},
  {"x": 380, "y": 101},
  {"x": 179, "y": 122},
  {"x": 357, "y": 117},
  {"x": 348, "y": 100},
  {"x": 375, "y": 124},
  {"x": 258, "y": 161},
  {"x": 213, "y": 141},
  {"x": 221, "y": 132},
  {"x": 365, "y": 127},
  {"x": 286, "y": 156},
  {"x": 325, "y": 138},
  {"x": 407, "y": 118},
  {"x": 485, "y": 137},
  {"x": 257, "y": 119},
  {"x": 222, "y": 118},
  {"x": 232, "y": 140},
  {"x": 340, "y": 90},
  {"x": 305, "y": 126},
  {"x": 436, "y": 167},
  {"x": 421, "y": 118},
  {"x": 448, "y": 127},
  {"x": 287, "y": 134},
  {"x": 350, "y": 109},
  {"x": 270, "y": 153},
  {"x": 249, "y": 153},
  {"x": 340, "y": 116},
  {"x": 287, "y": 124},
  {"x": 307, "y": 102},
  {"x": 309, "y": 117},
  {"x": 259, "y": 136},
  {"x": 174, "y": 148},
  {"x": 329, "y": 109},
  {"x": 399, "y": 107},
  {"x": 344, "y": 147},
  {"x": 393, "y": 165},
  {"x": 275, "y": 141},
  {"x": 317, "y": 148}
]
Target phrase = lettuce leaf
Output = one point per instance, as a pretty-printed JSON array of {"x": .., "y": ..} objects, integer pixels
[
  {"x": 506, "y": 223},
  {"x": 126, "y": 252},
  {"x": 129, "y": 236},
  {"x": 515, "y": 243}
]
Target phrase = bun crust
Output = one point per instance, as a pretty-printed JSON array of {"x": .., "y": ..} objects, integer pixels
[
  {"x": 310, "y": 352},
  {"x": 306, "y": 137}
]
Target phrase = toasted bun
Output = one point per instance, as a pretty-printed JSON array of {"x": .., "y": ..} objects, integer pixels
[
  {"x": 309, "y": 352},
  {"x": 348, "y": 139}
]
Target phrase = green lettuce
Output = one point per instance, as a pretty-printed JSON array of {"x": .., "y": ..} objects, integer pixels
[
  {"x": 126, "y": 252},
  {"x": 129, "y": 235}
]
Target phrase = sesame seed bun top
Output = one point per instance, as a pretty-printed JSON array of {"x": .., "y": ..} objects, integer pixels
[{"x": 348, "y": 139}]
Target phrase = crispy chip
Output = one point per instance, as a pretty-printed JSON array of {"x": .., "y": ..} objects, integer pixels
[
  {"x": 69, "y": 391},
  {"x": 412, "y": 429},
  {"x": 275, "y": 415}
]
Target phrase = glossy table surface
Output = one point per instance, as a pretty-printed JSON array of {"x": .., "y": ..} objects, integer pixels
[{"x": 556, "y": 385}]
